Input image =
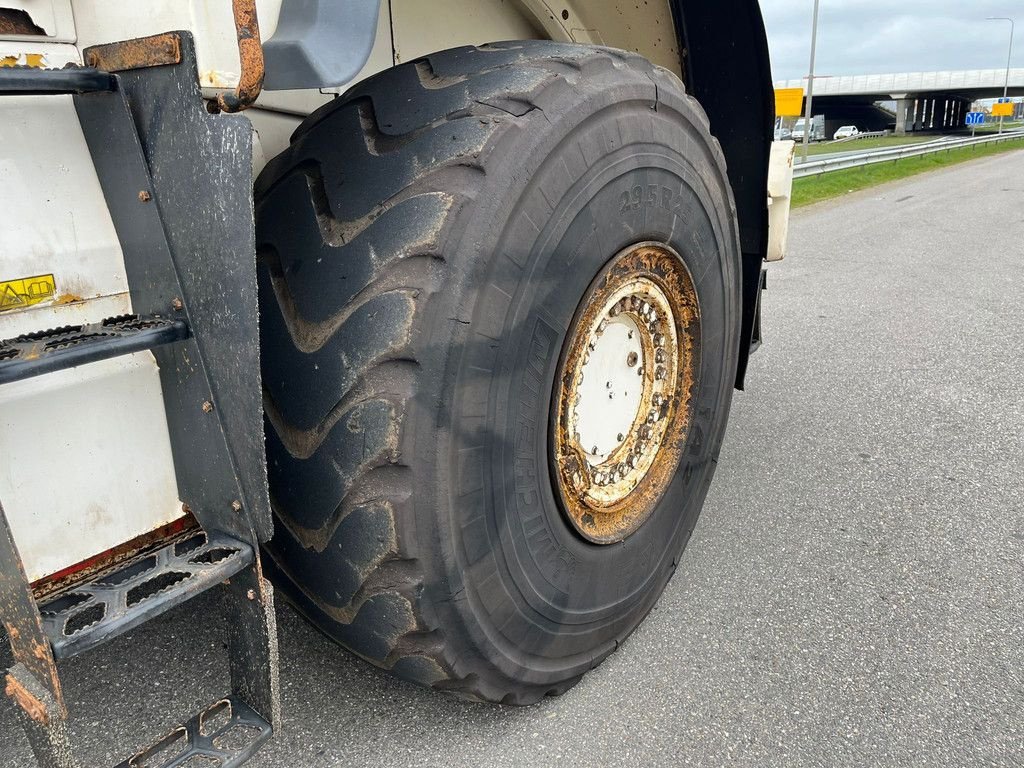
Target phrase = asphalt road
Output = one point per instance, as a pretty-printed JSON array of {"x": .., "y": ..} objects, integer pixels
[{"x": 854, "y": 593}]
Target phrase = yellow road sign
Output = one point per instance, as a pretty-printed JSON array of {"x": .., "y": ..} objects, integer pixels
[
  {"x": 789, "y": 102},
  {"x": 1002, "y": 110}
]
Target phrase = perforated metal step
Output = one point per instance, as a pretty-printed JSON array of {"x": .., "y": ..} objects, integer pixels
[
  {"x": 33, "y": 354},
  {"x": 146, "y": 586},
  {"x": 223, "y": 736}
]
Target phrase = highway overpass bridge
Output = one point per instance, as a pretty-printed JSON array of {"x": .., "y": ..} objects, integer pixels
[{"x": 924, "y": 100}]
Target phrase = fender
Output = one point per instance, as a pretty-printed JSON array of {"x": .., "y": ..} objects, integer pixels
[{"x": 726, "y": 67}]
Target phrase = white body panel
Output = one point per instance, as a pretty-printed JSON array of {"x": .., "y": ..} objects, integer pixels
[
  {"x": 780, "y": 193},
  {"x": 85, "y": 460},
  {"x": 53, "y": 218}
]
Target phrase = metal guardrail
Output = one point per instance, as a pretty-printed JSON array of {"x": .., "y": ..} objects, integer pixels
[
  {"x": 827, "y": 165},
  {"x": 851, "y": 139}
]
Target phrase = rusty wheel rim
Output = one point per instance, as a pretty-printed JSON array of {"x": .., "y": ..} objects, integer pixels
[{"x": 623, "y": 392}]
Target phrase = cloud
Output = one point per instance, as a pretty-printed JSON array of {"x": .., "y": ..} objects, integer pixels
[{"x": 859, "y": 37}]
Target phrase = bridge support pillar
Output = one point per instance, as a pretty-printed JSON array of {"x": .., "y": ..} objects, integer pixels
[{"x": 903, "y": 115}]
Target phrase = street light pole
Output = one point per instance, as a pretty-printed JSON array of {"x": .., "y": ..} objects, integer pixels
[
  {"x": 810, "y": 82},
  {"x": 1009, "y": 58}
]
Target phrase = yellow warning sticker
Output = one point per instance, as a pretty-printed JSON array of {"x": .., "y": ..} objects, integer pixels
[{"x": 26, "y": 291}]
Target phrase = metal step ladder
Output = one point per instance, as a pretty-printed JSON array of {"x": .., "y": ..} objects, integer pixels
[{"x": 160, "y": 158}]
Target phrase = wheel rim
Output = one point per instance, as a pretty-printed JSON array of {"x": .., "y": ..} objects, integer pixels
[{"x": 623, "y": 391}]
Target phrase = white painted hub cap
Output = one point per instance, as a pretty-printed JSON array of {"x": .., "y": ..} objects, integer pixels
[
  {"x": 624, "y": 391},
  {"x": 611, "y": 389}
]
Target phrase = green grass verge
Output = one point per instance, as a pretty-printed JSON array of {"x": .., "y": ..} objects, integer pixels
[
  {"x": 992, "y": 126},
  {"x": 814, "y": 189}
]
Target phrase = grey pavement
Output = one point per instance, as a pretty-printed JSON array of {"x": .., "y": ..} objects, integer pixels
[{"x": 854, "y": 592}]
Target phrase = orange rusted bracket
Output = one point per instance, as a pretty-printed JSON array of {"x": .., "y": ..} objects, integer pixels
[
  {"x": 250, "y": 55},
  {"x": 139, "y": 53}
]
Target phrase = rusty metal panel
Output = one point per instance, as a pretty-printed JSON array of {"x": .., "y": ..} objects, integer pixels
[{"x": 152, "y": 51}]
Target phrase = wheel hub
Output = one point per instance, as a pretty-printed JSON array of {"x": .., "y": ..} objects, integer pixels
[{"x": 623, "y": 391}]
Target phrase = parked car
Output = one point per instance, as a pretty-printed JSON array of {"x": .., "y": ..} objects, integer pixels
[
  {"x": 817, "y": 129},
  {"x": 847, "y": 132},
  {"x": 783, "y": 134}
]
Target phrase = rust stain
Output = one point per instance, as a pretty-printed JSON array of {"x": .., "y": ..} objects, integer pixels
[
  {"x": 31, "y": 706},
  {"x": 68, "y": 298},
  {"x": 14, "y": 21},
  {"x": 250, "y": 55},
  {"x": 41, "y": 651},
  {"x": 609, "y": 522},
  {"x": 87, "y": 569},
  {"x": 139, "y": 53}
]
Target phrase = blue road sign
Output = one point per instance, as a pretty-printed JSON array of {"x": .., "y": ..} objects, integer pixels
[{"x": 975, "y": 118}]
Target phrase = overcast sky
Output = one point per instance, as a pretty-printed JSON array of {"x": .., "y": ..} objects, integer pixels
[{"x": 857, "y": 37}]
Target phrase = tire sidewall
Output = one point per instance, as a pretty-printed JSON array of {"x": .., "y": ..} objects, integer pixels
[{"x": 611, "y": 172}]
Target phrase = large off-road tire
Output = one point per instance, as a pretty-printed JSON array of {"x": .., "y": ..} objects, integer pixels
[{"x": 426, "y": 245}]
